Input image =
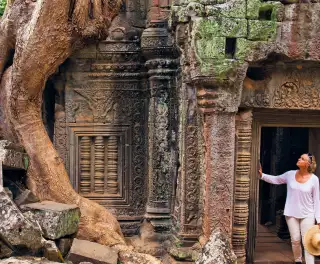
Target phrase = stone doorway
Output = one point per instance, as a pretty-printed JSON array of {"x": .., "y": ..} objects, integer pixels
[{"x": 276, "y": 135}]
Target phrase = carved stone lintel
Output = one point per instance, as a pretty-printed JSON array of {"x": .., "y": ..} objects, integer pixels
[{"x": 242, "y": 184}]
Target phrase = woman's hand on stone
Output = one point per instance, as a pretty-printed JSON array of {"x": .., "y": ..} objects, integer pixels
[{"x": 260, "y": 171}]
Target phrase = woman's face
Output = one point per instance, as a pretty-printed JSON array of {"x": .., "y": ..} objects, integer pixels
[{"x": 303, "y": 161}]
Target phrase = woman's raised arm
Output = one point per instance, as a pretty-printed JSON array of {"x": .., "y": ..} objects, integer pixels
[{"x": 281, "y": 179}]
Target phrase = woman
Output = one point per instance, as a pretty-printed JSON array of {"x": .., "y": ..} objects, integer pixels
[{"x": 302, "y": 203}]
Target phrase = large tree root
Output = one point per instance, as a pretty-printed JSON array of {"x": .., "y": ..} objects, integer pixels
[
  {"x": 43, "y": 34},
  {"x": 47, "y": 177}
]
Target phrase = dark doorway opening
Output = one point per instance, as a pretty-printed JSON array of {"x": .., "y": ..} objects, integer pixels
[{"x": 280, "y": 149}]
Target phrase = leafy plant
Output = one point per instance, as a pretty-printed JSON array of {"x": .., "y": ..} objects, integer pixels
[{"x": 2, "y": 6}]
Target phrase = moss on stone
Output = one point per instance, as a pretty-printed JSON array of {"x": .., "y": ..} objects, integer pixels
[
  {"x": 230, "y": 9},
  {"x": 221, "y": 27},
  {"x": 211, "y": 49},
  {"x": 253, "y": 9},
  {"x": 236, "y": 19},
  {"x": 208, "y": 28},
  {"x": 233, "y": 27},
  {"x": 2, "y": 6},
  {"x": 243, "y": 48},
  {"x": 262, "y": 30},
  {"x": 275, "y": 8}
]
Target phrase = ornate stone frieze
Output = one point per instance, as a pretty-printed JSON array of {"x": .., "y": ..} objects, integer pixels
[
  {"x": 300, "y": 94},
  {"x": 293, "y": 89},
  {"x": 242, "y": 184},
  {"x": 96, "y": 104}
]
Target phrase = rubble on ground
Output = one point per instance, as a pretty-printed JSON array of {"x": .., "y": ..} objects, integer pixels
[
  {"x": 34, "y": 232},
  {"x": 217, "y": 251},
  {"x": 83, "y": 250},
  {"x": 26, "y": 260},
  {"x": 56, "y": 219}
]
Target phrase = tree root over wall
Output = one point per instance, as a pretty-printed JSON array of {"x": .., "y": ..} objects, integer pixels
[{"x": 36, "y": 36}]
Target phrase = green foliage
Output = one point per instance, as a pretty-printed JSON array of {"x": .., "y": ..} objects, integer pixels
[{"x": 2, "y": 6}]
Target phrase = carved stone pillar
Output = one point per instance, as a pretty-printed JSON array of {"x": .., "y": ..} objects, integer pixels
[
  {"x": 219, "y": 140},
  {"x": 187, "y": 209},
  {"x": 242, "y": 184},
  {"x": 158, "y": 49}
]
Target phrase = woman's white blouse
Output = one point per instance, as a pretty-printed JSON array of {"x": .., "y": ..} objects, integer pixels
[{"x": 302, "y": 198}]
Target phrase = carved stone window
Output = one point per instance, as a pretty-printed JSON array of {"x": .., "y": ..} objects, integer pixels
[{"x": 99, "y": 156}]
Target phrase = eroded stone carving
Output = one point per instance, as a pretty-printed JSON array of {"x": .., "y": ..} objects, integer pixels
[
  {"x": 295, "y": 89},
  {"x": 242, "y": 184},
  {"x": 192, "y": 177},
  {"x": 299, "y": 94}
]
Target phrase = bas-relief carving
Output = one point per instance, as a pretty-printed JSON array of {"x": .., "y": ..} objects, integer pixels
[
  {"x": 60, "y": 135},
  {"x": 95, "y": 104},
  {"x": 288, "y": 89},
  {"x": 160, "y": 152},
  {"x": 115, "y": 104},
  {"x": 192, "y": 192}
]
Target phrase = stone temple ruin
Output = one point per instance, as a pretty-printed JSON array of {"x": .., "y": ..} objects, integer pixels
[{"x": 162, "y": 122}]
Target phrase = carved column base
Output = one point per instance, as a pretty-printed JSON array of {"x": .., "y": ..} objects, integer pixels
[
  {"x": 160, "y": 222},
  {"x": 186, "y": 240}
]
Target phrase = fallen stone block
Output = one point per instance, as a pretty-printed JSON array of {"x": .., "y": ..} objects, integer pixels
[
  {"x": 183, "y": 253},
  {"x": 217, "y": 251},
  {"x": 51, "y": 252},
  {"x": 134, "y": 258},
  {"x": 12, "y": 155},
  {"x": 26, "y": 197},
  {"x": 16, "y": 229},
  {"x": 86, "y": 251},
  {"x": 7, "y": 190},
  {"x": 5, "y": 251},
  {"x": 56, "y": 219},
  {"x": 64, "y": 245},
  {"x": 167, "y": 259},
  {"x": 27, "y": 260}
]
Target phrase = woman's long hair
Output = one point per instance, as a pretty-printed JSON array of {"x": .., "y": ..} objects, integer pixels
[{"x": 313, "y": 164}]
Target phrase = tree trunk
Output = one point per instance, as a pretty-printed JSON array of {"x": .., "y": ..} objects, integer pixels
[{"x": 42, "y": 33}]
